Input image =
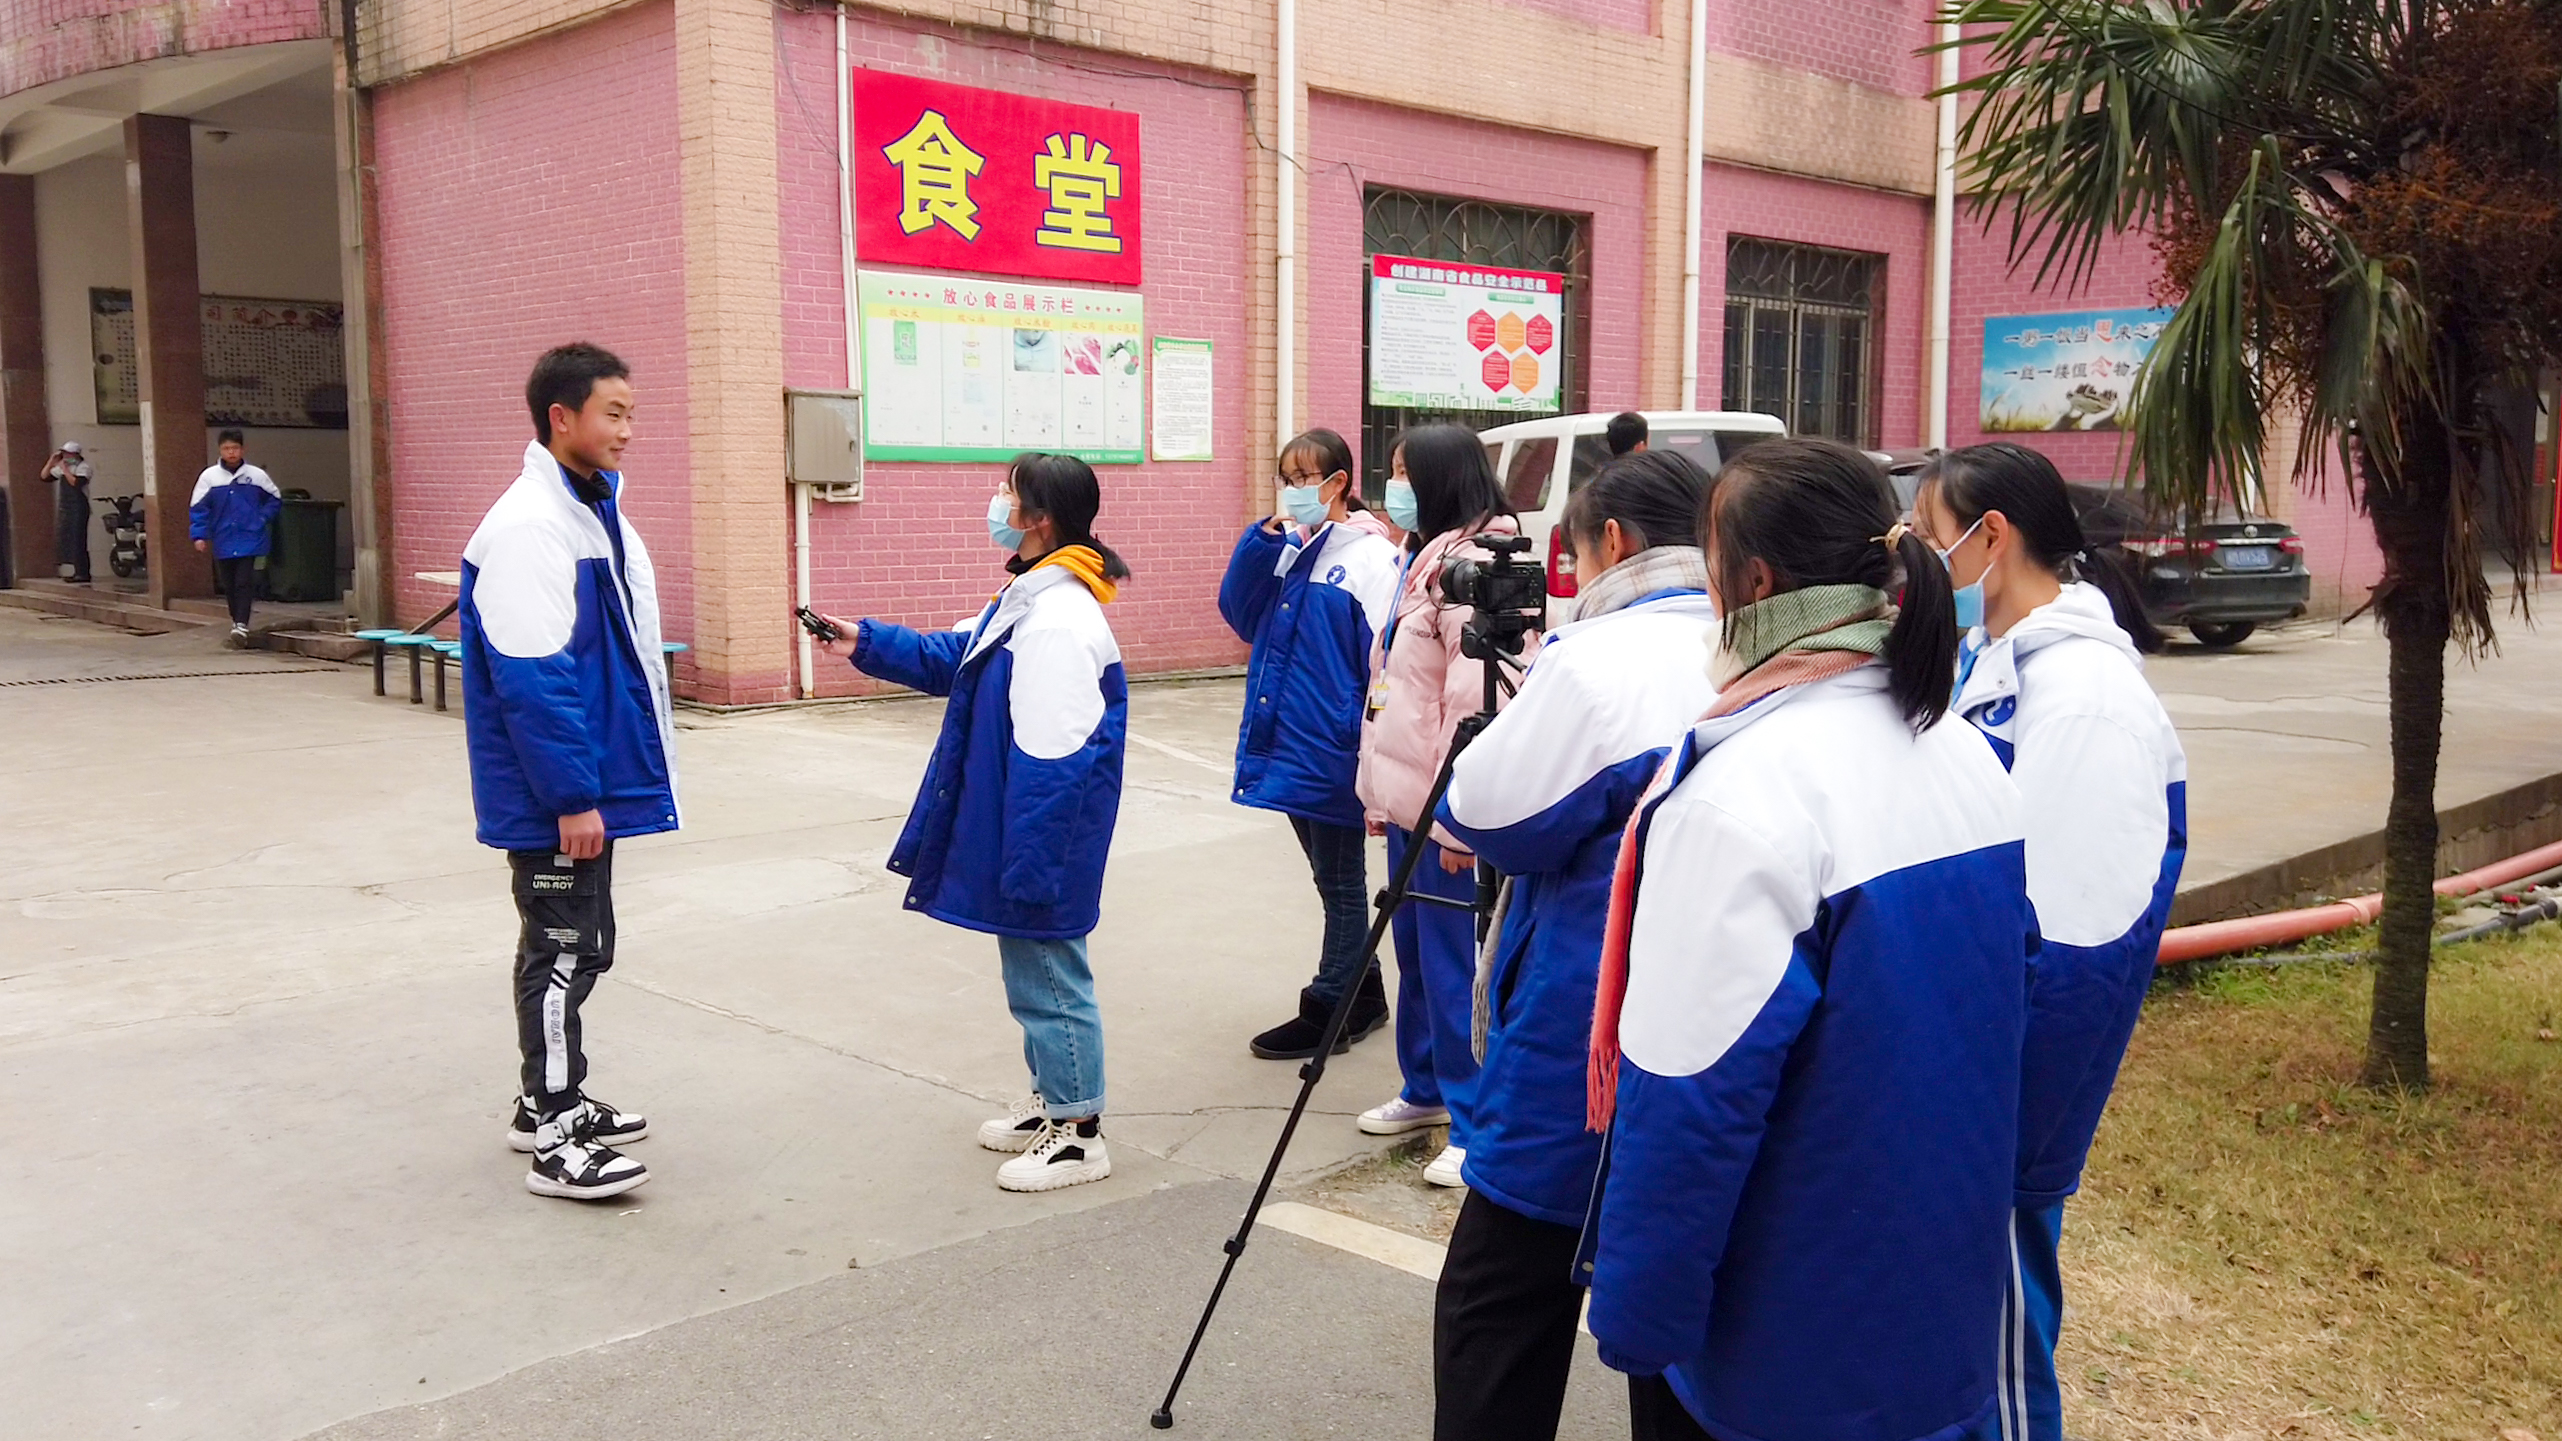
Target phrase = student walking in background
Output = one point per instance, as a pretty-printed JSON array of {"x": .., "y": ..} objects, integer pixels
[
  {"x": 1014, "y": 818},
  {"x": 1310, "y": 592},
  {"x": 566, "y": 717},
  {"x": 234, "y": 504},
  {"x": 2053, "y": 667},
  {"x": 1542, "y": 796},
  {"x": 1806, "y": 1034},
  {"x": 1443, "y": 494}
]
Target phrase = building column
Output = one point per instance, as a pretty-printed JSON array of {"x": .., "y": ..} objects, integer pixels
[
  {"x": 23, "y": 422},
  {"x": 369, "y": 508},
  {"x": 733, "y": 350},
  {"x": 169, "y": 345}
]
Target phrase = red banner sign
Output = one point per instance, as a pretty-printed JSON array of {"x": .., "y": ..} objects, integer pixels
[{"x": 951, "y": 178}]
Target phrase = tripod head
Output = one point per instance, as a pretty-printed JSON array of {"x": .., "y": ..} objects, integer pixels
[{"x": 1507, "y": 594}]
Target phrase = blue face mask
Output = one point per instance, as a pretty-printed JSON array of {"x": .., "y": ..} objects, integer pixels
[
  {"x": 1970, "y": 598},
  {"x": 1402, "y": 512},
  {"x": 1000, "y": 509},
  {"x": 1306, "y": 504}
]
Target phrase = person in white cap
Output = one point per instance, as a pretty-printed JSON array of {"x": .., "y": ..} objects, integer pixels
[{"x": 70, "y": 469}]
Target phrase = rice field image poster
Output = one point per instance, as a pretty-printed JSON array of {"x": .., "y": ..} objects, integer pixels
[{"x": 2071, "y": 370}]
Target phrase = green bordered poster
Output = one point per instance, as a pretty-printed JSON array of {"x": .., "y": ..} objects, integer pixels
[
  {"x": 978, "y": 370},
  {"x": 1179, "y": 411}
]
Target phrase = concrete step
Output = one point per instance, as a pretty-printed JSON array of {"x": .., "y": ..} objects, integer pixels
[
  {"x": 318, "y": 644},
  {"x": 56, "y": 597}
]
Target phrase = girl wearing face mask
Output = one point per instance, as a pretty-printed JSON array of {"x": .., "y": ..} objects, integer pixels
[
  {"x": 2053, "y": 677},
  {"x": 1442, "y": 493},
  {"x": 1310, "y": 592},
  {"x": 1542, "y": 796},
  {"x": 1805, "y": 1038},
  {"x": 1012, "y": 823}
]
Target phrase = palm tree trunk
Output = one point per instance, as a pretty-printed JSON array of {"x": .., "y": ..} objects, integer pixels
[{"x": 2410, "y": 518}]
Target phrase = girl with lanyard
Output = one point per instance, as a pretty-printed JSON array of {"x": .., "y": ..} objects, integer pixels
[
  {"x": 1542, "y": 796},
  {"x": 2054, "y": 678},
  {"x": 1014, "y": 819},
  {"x": 1442, "y": 494},
  {"x": 1805, "y": 1039},
  {"x": 1310, "y": 592}
]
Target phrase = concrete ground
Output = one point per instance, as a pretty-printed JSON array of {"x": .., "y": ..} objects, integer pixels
[{"x": 255, "y": 1062}]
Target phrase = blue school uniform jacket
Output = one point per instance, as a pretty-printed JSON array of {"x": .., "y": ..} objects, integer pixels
[
  {"x": 1542, "y": 796},
  {"x": 1805, "y": 1219},
  {"x": 1014, "y": 819},
  {"x": 233, "y": 509},
  {"x": 2105, "y": 786},
  {"x": 1309, "y": 607},
  {"x": 565, "y": 701}
]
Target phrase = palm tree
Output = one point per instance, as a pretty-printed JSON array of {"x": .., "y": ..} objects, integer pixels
[{"x": 2358, "y": 205}]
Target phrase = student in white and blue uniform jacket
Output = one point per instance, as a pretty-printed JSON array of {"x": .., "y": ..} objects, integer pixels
[
  {"x": 1309, "y": 589},
  {"x": 566, "y": 720},
  {"x": 228, "y": 518},
  {"x": 1810, "y": 1001},
  {"x": 1542, "y": 796},
  {"x": 1014, "y": 818},
  {"x": 2053, "y": 677}
]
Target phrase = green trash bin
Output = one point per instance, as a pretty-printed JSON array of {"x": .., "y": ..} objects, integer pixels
[{"x": 302, "y": 561}]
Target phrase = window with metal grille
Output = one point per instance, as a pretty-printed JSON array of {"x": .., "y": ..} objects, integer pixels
[
  {"x": 1801, "y": 336},
  {"x": 1470, "y": 232}
]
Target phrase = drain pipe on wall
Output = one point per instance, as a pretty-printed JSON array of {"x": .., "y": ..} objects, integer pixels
[
  {"x": 1693, "y": 191},
  {"x": 1943, "y": 242},
  {"x": 1285, "y": 227},
  {"x": 853, "y": 363}
]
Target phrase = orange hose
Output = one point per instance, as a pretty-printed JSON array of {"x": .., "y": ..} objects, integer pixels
[{"x": 2248, "y": 933}]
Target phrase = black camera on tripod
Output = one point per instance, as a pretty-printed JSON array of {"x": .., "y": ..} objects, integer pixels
[{"x": 1508, "y": 591}]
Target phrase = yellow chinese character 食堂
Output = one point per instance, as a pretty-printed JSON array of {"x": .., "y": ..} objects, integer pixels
[
  {"x": 934, "y": 174},
  {"x": 1080, "y": 176}
]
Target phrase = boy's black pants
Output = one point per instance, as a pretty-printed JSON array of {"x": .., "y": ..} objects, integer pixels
[
  {"x": 236, "y": 576},
  {"x": 1503, "y": 1326},
  {"x": 567, "y": 942}
]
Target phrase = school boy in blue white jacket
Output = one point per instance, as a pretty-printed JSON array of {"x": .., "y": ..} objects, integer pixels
[
  {"x": 1309, "y": 589},
  {"x": 228, "y": 518},
  {"x": 566, "y": 717},
  {"x": 2053, "y": 678},
  {"x": 1809, "y": 1011},
  {"x": 1014, "y": 819},
  {"x": 1542, "y": 796}
]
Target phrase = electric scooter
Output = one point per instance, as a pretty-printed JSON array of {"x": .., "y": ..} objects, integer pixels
[{"x": 126, "y": 545}]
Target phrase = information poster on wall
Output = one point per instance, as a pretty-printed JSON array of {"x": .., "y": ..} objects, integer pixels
[
  {"x": 976, "y": 370},
  {"x": 1464, "y": 337},
  {"x": 2071, "y": 370},
  {"x": 279, "y": 363},
  {"x": 1180, "y": 408}
]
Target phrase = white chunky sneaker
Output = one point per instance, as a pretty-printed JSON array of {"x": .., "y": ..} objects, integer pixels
[
  {"x": 1444, "y": 1170},
  {"x": 601, "y": 1123},
  {"x": 569, "y": 1166},
  {"x": 1400, "y": 1115},
  {"x": 1062, "y": 1153},
  {"x": 1016, "y": 1128}
]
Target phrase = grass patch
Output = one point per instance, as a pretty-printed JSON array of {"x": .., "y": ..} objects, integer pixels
[{"x": 2262, "y": 1249}]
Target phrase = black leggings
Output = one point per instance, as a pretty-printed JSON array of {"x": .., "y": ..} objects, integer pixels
[
  {"x": 237, "y": 576},
  {"x": 1503, "y": 1326},
  {"x": 1656, "y": 1414}
]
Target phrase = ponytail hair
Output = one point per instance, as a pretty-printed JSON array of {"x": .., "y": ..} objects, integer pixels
[
  {"x": 1653, "y": 494},
  {"x": 1064, "y": 489},
  {"x": 2029, "y": 492},
  {"x": 1816, "y": 512}
]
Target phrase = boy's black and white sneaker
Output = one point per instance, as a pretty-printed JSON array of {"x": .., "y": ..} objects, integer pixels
[
  {"x": 580, "y": 1170},
  {"x": 598, "y": 1121},
  {"x": 1017, "y": 1128},
  {"x": 1062, "y": 1153}
]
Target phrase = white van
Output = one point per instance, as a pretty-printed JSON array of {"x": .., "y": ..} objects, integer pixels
[{"x": 1540, "y": 462}]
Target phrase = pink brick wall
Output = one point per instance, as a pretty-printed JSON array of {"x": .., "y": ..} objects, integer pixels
[
  {"x": 1866, "y": 42},
  {"x": 47, "y": 40},
  {"x": 1353, "y": 144},
  {"x": 1635, "y": 15},
  {"x": 916, "y": 550},
  {"x": 530, "y": 198},
  {"x": 1840, "y": 217}
]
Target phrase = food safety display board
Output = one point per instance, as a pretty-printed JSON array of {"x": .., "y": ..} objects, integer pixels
[
  {"x": 977, "y": 370},
  {"x": 1446, "y": 336}
]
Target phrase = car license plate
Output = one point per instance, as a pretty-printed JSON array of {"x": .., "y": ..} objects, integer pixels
[{"x": 2244, "y": 557}]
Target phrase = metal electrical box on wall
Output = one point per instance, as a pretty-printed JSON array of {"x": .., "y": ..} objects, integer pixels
[{"x": 824, "y": 435}]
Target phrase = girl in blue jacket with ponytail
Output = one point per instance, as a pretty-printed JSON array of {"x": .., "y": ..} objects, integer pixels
[
  {"x": 1309, "y": 589},
  {"x": 1014, "y": 819},
  {"x": 2053, "y": 676}
]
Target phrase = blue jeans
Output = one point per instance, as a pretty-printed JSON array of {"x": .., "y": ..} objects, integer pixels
[
  {"x": 2032, "y": 1317},
  {"x": 1050, "y": 988},
  {"x": 1339, "y": 860},
  {"x": 1436, "y": 987}
]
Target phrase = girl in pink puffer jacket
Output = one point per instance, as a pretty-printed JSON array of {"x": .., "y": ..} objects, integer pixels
[{"x": 1443, "y": 494}]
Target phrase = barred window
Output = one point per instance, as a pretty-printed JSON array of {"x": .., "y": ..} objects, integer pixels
[{"x": 1801, "y": 336}]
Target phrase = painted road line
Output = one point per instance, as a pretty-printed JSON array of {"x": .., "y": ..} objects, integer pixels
[
  {"x": 1178, "y": 752},
  {"x": 1410, "y": 1254}
]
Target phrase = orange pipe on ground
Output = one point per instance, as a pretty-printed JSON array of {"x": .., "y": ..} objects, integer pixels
[{"x": 2249, "y": 933}]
